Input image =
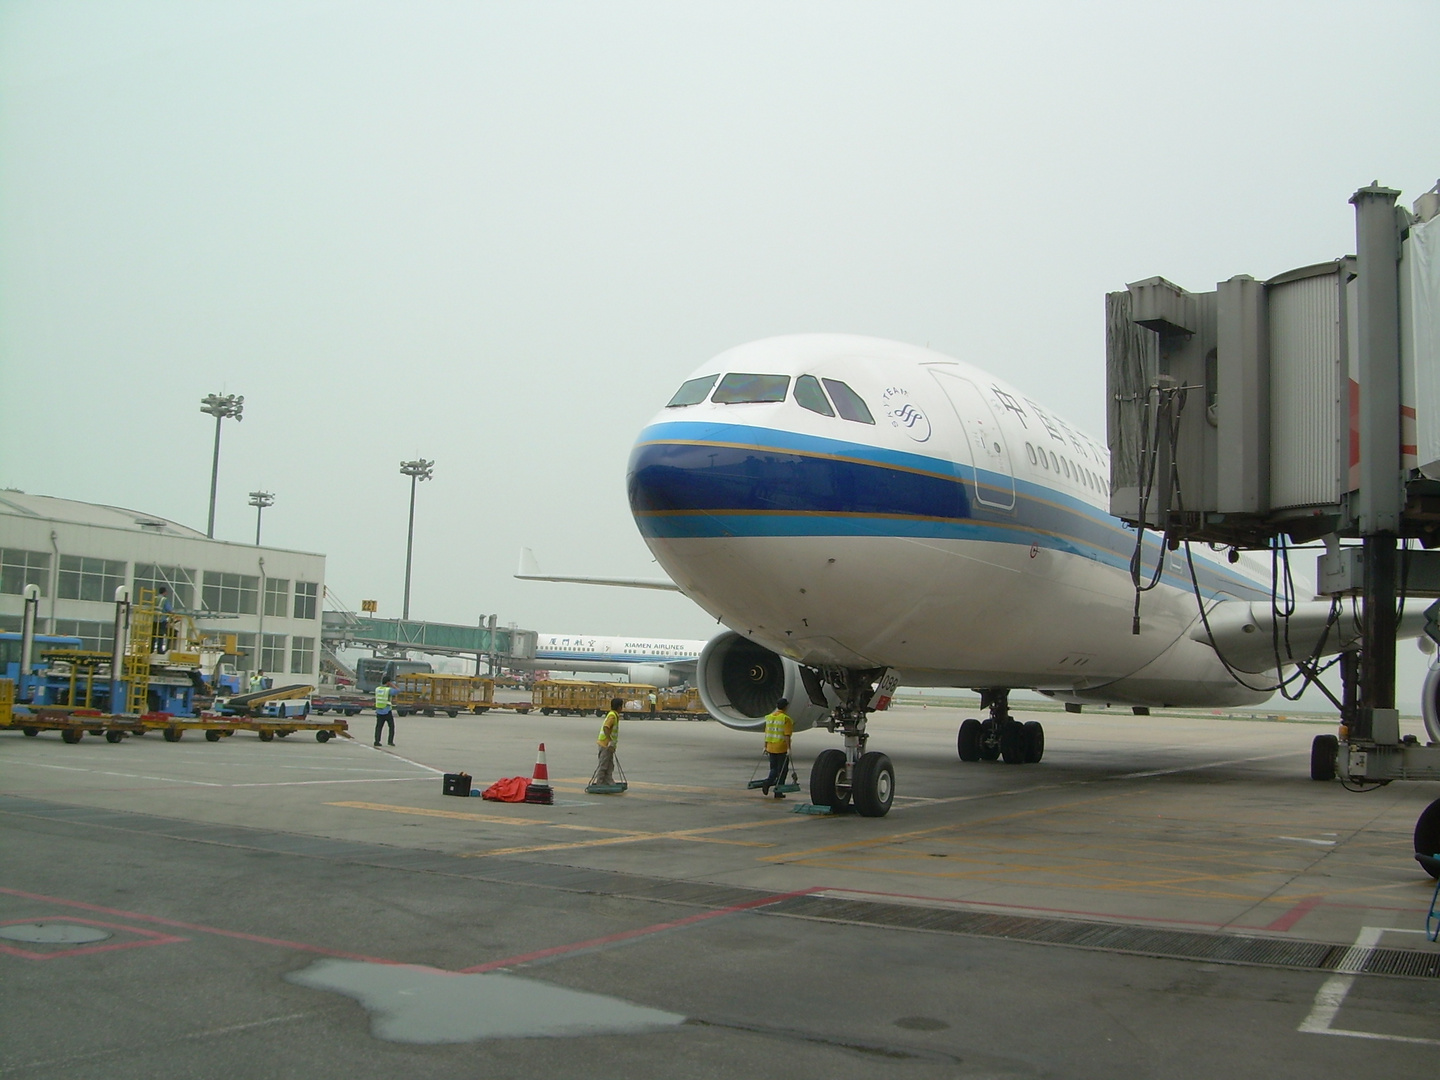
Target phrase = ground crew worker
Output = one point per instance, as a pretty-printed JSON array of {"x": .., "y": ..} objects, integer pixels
[
  {"x": 778, "y": 729},
  {"x": 163, "y": 608},
  {"x": 384, "y": 711},
  {"x": 257, "y": 681},
  {"x": 608, "y": 739}
]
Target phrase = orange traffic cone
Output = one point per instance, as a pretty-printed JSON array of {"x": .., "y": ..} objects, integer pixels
[{"x": 539, "y": 790}]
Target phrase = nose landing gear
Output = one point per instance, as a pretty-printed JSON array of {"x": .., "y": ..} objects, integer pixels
[
  {"x": 853, "y": 776},
  {"x": 1000, "y": 735}
]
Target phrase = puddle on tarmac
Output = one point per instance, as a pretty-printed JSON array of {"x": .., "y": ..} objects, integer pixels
[{"x": 413, "y": 1004}]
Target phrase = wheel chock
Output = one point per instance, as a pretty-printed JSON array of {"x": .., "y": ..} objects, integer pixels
[{"x": 606, "y": 789}]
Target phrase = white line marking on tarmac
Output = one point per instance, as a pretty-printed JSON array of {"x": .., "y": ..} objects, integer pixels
[
  {"x": 1335, "y": 989},
  {"x": 308, "y": 783},
  {"x": 190, "y": 1037},
  {"x": 1307, "y": 840}
]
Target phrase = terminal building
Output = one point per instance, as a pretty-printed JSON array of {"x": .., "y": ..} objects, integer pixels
[{"x": 78, "y": 553}]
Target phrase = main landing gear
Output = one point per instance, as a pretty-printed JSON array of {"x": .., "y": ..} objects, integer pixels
[
  {"x": 1000, "y": 735},
  {"x": 853, "y": 776}
]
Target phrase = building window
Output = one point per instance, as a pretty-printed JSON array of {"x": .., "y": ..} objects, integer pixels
[
  {"x": 277, "y": 596},
  {"x": 95, "y": 636},
  {"x": 180, "y": 582},
  {"x": 245, "y": 646},
  {"x": 83, "y": 578},
  {"x": 231, "y": 594},
  {"x": 306, "y": 595},
  {"x": 272, "y": 652},
  {"x": 20, "y": 568},
  {"x": 302, "y": 655}
]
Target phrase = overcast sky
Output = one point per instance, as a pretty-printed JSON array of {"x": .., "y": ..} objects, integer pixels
[{"x": 500, "y": 235}]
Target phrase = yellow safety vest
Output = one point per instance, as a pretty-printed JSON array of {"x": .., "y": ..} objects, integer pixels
[
  {"x": 610, "y": 729},
  {"x": 382, "y": 699},
  {"x": 778, "y": 728}
]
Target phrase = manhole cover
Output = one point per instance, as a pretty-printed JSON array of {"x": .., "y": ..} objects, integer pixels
[{"x": 53, "y": 933}]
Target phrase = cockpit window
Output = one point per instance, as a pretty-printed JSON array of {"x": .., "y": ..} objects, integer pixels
[
  {"x": 736, "y": 389},
  {"x": 692, "y": 392},
  {"x": 848, "y": 402},
  {"x": 808, "y": 395}
]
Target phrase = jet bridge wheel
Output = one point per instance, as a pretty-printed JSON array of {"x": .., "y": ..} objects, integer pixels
[
  {"x": 1427, "y": 835},
  {"x": 874, "y": 786},
  {"x": 969, "y": 741},
  {"x": 829, "y": 786},
  {"x": 1323, "y": 752}
]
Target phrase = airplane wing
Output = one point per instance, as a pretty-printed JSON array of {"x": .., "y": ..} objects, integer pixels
[
  {"x": 1244, "y": 634},
  {"x": 530, "y": 571}
]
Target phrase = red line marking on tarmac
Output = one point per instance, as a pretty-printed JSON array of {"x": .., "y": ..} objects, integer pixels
[
  {"x": 196, "y": 927},
  {"x": 152, "y": 938},
  {"x": 937, "y": 901},
  {"x": 628, "y": 935},
  {"x": 1295, "y": 914}
]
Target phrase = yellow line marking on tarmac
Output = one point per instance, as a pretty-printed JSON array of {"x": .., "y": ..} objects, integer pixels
[
  {"x": 618, "y": 836},
  {"x": 698, "y": 836}
]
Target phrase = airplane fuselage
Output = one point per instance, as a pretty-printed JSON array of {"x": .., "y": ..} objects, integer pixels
[{"x": 859, "y": 503}]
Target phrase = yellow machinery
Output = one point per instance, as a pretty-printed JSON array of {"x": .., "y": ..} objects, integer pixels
[
  {"x": 572, "y": 697},
  {"x": 451, "y": 694},
  {"x": 7, "y": 701}
]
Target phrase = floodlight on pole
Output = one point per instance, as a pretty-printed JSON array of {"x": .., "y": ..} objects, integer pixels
[
  {"x": 260, "y": 500},
  {"x": 417, "y": 470},
  {"x": 219, "y": 406}
]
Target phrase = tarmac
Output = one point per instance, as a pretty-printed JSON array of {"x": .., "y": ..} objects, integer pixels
[{"x": 1161, "y": 896}]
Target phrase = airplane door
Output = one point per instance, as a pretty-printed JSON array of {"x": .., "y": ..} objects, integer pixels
[{"x": 993, "y": 476}]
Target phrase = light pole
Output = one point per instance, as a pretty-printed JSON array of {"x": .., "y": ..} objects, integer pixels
[
  {"x": 260, "y": 500},
  {"x": 417, "y": 470},
  {"x": 219, "y": 407}
]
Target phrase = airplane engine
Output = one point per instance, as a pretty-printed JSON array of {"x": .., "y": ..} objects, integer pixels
[
  {"x": 1429, "y": 703},
  {"x": 653, "y": 675},
  {"x": 739, "y": 682}
]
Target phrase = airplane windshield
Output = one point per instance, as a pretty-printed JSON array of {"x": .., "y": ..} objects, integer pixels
[
  {"x": 737, "y": 389},
  {"x": 808, "y": 395},
  {"x": 692, "y": 392},
  {"x": 850, "y": 404}
]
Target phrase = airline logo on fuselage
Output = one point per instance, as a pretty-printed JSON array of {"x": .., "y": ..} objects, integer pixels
[{"x": 905, "y": 415}]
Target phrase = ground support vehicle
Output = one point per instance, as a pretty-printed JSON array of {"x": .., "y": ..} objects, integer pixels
[
  {"x": 575, "y": 697},
  {"x": 429, "y": 694},
  {"x": 74, "y": 724},
  {"x": 344, "y": 704}
]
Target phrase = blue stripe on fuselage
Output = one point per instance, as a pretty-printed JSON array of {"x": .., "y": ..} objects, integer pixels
[{"x": 691, "y": 479}]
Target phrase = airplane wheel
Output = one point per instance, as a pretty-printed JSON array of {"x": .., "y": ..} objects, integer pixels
[
  {"x": 1427, "y": 835},
  {"x": 874, "y": 784},
  {"x": 989, "y": 740},
  {"x": 1323, "y": 752},
  {"x": 826, "y": 788},
  {"x": 967, "y": 742},
  {"x": 1012, "y": 743},
  {"x": 1034, "y": 741}
]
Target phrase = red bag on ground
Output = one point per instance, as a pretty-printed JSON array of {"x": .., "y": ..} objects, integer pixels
[{"x": 509, "y": 789}]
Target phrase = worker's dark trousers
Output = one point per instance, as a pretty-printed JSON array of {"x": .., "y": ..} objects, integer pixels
[
  {"x": 777, "y": 770},
  {"x": 381, "y": 719}
]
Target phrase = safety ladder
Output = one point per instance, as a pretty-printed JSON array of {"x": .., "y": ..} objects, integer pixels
[{"x": 137, "y": 655}]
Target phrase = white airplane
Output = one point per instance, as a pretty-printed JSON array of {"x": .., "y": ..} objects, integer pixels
[
  {"x": 862, "y": 513},
  {"x": 655, "y": 661}
]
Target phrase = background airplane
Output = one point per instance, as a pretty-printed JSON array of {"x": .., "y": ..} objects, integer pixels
[{"x": 861, "y": 512}]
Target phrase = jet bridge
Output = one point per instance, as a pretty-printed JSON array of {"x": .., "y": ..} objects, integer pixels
[{"x": 1298, "y": 408}]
